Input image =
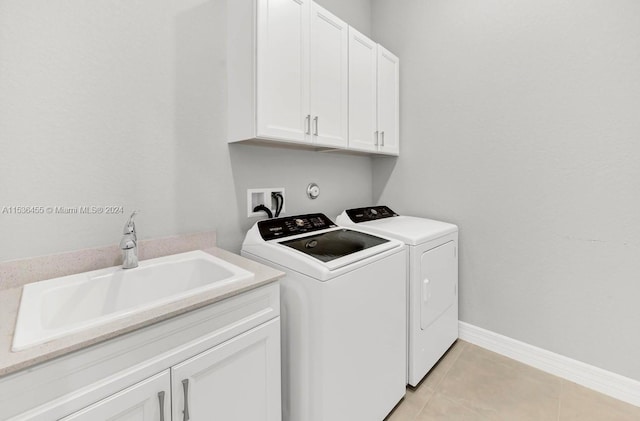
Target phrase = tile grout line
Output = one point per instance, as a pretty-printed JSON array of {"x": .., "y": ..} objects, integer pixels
[
  {"x": 424, "y": 405},
  {"x": 560, "y": 398},
  {"x": 462, "y": 345},
  {"x": 456, "y": 402},
  {"x": 435, "y": 387}
]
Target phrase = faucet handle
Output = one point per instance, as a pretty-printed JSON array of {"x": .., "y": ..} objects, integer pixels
[
  {"x": 130, "y": 226},
  {"x": 127, "y": 244}
]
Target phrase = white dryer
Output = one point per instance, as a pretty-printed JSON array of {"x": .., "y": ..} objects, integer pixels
[
  {"x": 343, "y": 317},
  {"x": 432, "y": 276}
]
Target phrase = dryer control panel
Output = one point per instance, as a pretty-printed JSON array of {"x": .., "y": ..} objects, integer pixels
[
  {"x": 271, "y": 229},
  {"x": 370, "y": 214}
]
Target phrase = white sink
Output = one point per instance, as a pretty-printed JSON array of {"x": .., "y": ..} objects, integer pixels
[{"x": 57, "y": 307}]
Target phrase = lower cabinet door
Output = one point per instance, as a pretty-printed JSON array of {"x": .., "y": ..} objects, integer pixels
[
  {"x": 148, "y": 400},
  {"x": 238, "y": 380}
]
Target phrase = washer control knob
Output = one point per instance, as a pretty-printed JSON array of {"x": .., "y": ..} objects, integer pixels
[
  {"x": 374, "y": 212},
  {"x": 300, "y": 222}
]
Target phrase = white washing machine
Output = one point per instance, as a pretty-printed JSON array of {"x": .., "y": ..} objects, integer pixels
[
  {"x": 343, "y": 317},
  {"x": 432, "y": 280}
]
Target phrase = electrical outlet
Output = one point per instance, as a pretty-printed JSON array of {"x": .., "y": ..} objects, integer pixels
[{"x": 256, "y": 197}]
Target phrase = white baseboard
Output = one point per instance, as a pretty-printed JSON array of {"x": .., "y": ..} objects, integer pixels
[{"x": 603, "y": 381}]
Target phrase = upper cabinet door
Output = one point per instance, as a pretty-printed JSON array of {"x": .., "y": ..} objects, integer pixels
[
  {"x": 362, "y": 92},
  {"x": 283, "y": 69},
  {"x": 388, "y": 101},
  {"x": 329, "y": 78}
]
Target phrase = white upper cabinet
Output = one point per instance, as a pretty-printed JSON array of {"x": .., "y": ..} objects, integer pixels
[
  {"x": 373, "y": 96},
  {"x": 329, "y": 114},
  {"x": 283, "y": 69},
  {"x": 363, "y": 119},
  {"x": 388, "y": 102},
  {"x": 268, "y": 70},
  {"x": 299, "y": 74}
]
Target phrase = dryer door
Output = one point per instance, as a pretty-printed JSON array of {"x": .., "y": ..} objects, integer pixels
[{"x": 438, "y": 271}]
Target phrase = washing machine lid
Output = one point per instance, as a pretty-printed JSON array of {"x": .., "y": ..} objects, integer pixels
[
  {"x": 383, "y": 221},
  {"x": 314, "y": 245},
  {"x": 330, "y": 245}
]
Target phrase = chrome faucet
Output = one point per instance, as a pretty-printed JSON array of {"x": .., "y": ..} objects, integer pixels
[{"x": 129, "y": 244}]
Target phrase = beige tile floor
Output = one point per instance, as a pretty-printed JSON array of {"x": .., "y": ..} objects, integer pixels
[{"x": 471, "y": 383}]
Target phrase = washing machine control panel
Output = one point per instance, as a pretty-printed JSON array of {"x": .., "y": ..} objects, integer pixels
[
  {"x": 271, "y": 229},
  {"x": 370, "y": 214}
]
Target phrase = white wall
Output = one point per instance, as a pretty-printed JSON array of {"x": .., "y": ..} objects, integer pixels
[
  {"x": 124, "y": 103},
  {"x": 520, "y": 122},
  {"x": 356, "y": 13}
]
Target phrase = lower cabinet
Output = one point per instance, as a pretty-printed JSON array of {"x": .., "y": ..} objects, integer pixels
[
  {"x": 238, "y": 380},
  {"x": 218, "y": 362}
]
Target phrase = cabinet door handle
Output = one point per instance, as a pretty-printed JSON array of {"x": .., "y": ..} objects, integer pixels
[
  {"x": 382, "y": 138},
  {"x": 308, "y": 123},
  {"x": 161, "y": 402},
  {"x": 315, "y": 120},
  {"x": 426, "y": 290},
  {"x": 377, "y": 138},
  {"x": 185, "y": 389}
]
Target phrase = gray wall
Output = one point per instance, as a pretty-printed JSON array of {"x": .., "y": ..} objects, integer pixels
[
  {"x": 356, "y": 13},
  {"x": 520, "y": 122},
  {"x": 124, "y": 103}
]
